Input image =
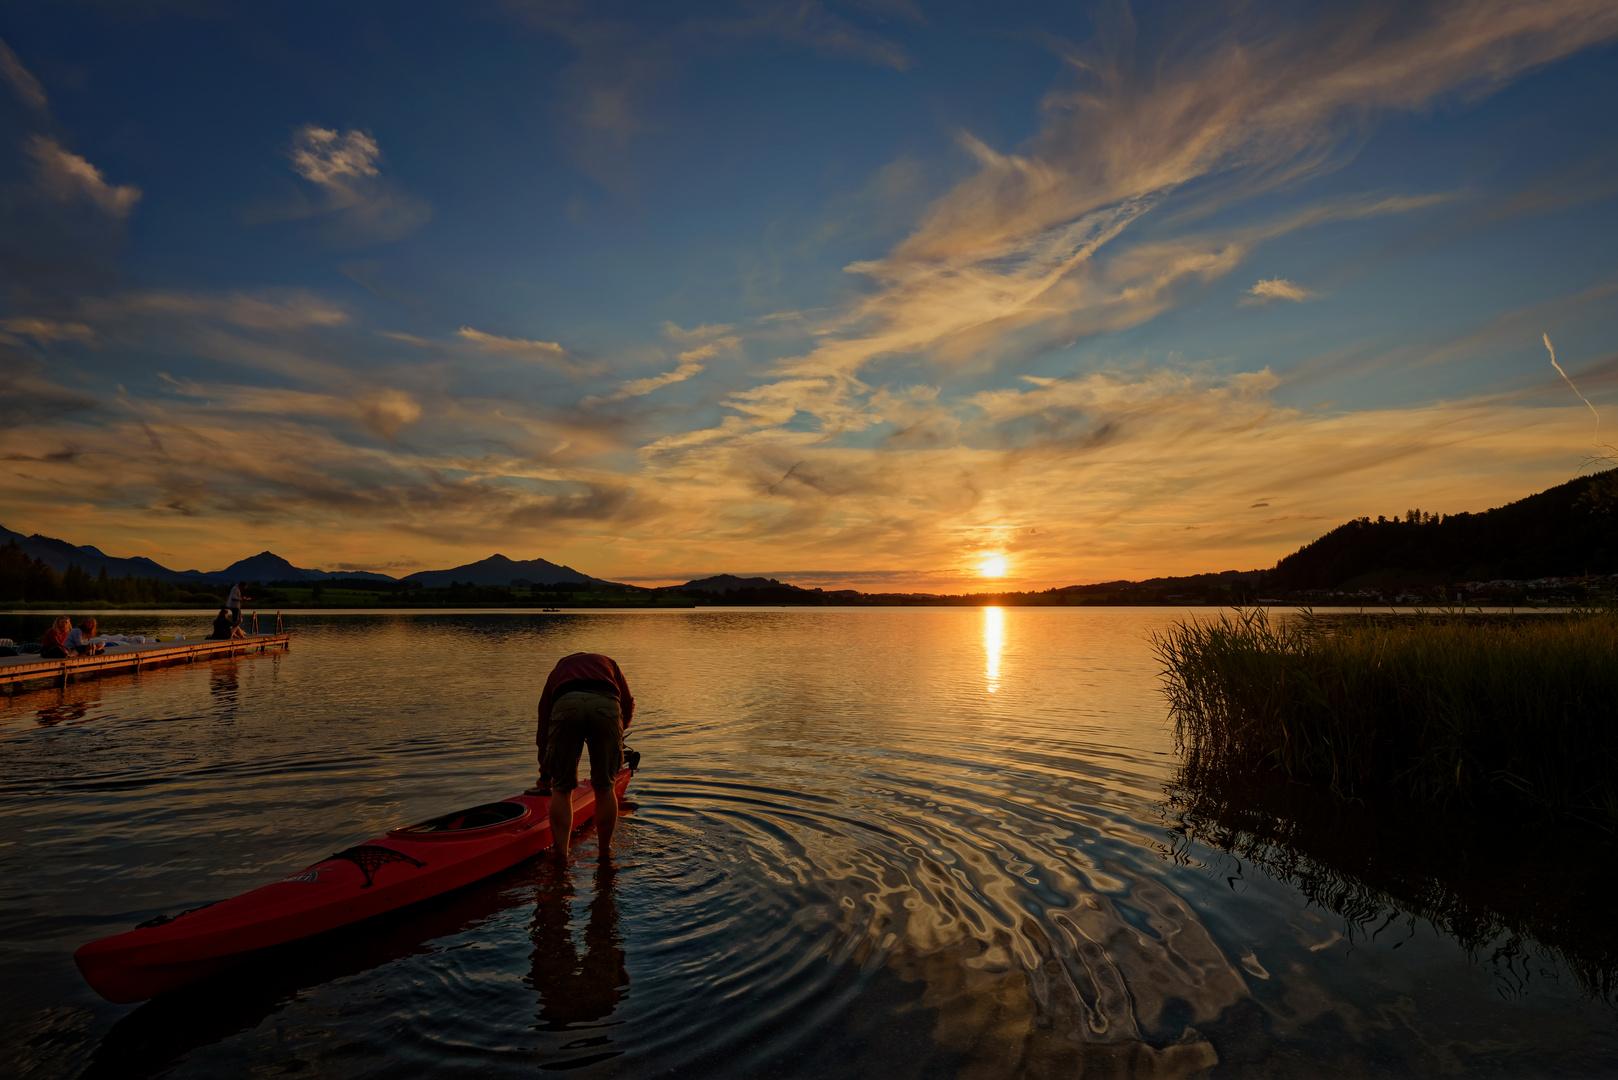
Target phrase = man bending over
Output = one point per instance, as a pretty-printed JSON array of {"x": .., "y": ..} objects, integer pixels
[{"x": 586, "y": 702}]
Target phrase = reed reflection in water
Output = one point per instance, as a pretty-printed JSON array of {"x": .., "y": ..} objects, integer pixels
[
  {"x": 904, "y": 843},
  {"x": 1525, "y": 899}
]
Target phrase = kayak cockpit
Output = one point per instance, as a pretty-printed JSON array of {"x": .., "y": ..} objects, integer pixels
[{"x": 486, "y": 816}]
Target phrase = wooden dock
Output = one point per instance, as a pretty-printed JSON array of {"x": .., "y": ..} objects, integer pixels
[{"x": 17, "y": 670}]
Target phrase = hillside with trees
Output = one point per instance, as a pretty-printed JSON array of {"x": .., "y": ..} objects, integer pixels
[{"x": 1570, "y": 530}]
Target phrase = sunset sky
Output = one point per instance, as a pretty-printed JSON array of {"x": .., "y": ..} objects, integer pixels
[{"x": 872, "y": 294}]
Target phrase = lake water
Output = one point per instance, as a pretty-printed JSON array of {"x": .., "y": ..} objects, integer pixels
[{"x": 901, "y": 842}]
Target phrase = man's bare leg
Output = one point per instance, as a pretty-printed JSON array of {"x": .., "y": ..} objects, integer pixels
[
  {"x": 606, "y": 818},
  {"x": 561, "y": 823}
]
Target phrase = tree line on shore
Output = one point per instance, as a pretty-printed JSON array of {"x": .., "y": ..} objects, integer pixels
[{"x": 24, "y": 579}]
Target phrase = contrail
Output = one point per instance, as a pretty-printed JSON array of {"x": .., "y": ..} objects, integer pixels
[{"x": 1552, "y": 350}]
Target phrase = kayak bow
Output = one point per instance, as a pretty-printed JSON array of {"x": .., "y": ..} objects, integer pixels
[{"x": 400, "y": 867}]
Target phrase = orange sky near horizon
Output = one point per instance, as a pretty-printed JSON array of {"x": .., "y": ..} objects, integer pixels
[{"x": 1278, "y": 482}]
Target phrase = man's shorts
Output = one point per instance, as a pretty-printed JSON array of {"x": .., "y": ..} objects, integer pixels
[{"x": 579, "y": 719}]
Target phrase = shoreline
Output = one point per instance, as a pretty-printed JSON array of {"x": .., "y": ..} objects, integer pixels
[{"x": 497, "y": 609}]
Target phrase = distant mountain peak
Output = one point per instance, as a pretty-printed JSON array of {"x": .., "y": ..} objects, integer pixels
[
  {"x": 497, "y": 569},
  {"x": 722, "y": 583}
]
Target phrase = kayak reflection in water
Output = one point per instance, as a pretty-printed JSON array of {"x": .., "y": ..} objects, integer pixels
[
  {"x": 585, "y": 702},
  {"x": 574, "y": 992}
]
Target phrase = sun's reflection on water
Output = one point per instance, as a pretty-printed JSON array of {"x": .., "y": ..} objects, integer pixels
[{"x": 994, "y": 638}]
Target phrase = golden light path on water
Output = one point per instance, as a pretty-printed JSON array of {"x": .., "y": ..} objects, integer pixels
[
  {"x": 994, "y": 639},
  {"x": 896, "y": 843}
]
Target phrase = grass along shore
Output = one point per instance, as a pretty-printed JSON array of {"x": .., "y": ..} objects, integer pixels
[{"x": 1435, "y": 707}]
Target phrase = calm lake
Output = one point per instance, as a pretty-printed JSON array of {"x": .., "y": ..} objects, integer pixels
[{"x": 903, "y": 842}]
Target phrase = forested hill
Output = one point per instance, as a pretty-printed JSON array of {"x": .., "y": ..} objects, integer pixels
[{"x": 1567, "y": 531}]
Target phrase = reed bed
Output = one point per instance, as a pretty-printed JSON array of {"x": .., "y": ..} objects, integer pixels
[{"x": 1437, "y": 708}]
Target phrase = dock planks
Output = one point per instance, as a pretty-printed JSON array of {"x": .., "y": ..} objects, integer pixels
[{"x": 17, "y": 670}]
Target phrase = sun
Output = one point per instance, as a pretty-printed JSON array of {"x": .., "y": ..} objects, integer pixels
[{"x": 994, "y": 566}]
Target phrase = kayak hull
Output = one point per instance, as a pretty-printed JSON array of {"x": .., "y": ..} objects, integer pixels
[{"x": 394, "y": 870}]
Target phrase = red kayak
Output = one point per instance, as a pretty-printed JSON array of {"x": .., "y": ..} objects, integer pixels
[{"x": 400, "y": 867}]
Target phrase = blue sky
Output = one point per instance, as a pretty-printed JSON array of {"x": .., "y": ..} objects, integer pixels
[{"x": 865, "y": 293}]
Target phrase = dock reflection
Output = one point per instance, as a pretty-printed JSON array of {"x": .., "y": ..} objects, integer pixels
[
  {"x": 578, "y": 993},
  {"x": 1516, "y": 895}
]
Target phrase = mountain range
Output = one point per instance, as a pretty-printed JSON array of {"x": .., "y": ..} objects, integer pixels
[{"x": 267, "y": 566}]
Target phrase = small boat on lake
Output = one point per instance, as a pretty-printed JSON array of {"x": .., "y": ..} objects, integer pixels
[{"x": 402, "y": 866}]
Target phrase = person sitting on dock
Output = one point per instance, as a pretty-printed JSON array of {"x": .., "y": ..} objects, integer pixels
[
  {"x": 225, "y": 626},
  {"x": 81, "y": 639},
  {"x": 53, "y": 643},
  {"x": 586, "y": 702}
]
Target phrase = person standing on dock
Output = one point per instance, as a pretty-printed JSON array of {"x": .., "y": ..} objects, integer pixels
[
  {"x": 233, "y": 603},
  {"x": 586, "y": 702}
]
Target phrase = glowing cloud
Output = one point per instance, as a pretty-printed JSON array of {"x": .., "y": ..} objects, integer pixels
[
  {"x": 359, "y": 203},
  {"x": 1269, "y": 289},
  {"x": 517, "y": 346},
  {"x": 334, "y": 160},
  {"x": 66, "y": 176},
  {"x": 46, "y": 331}
]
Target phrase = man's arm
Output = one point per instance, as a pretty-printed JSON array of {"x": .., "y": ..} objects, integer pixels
[
  {"x": 626, "y": 700},
  {"x": 543, "y": 726}
]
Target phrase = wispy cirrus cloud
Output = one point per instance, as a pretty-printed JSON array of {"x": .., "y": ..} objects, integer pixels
[
  {"x": 21, "y": 80},
  {"x": 547, "y": 353},
  {"x": 285, "y": 309},
  {"x": 381, "y": 410},
  {"x": 1018, "y": 244},
  {"x": 44, "y": 331},
  {"x": 690, "y": 365},
  {"x": 29, "y": 397},
  {"x": 1030, "y": 250}
]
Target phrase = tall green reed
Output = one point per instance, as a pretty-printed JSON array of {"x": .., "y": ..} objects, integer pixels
[{"x": 1436, "y": 707}]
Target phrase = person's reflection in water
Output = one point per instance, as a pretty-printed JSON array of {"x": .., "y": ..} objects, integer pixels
[
  {"x": 224, "y": 684},
  {"x": 578, "y": 992},
  {"x": 66, "y": 712}
]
